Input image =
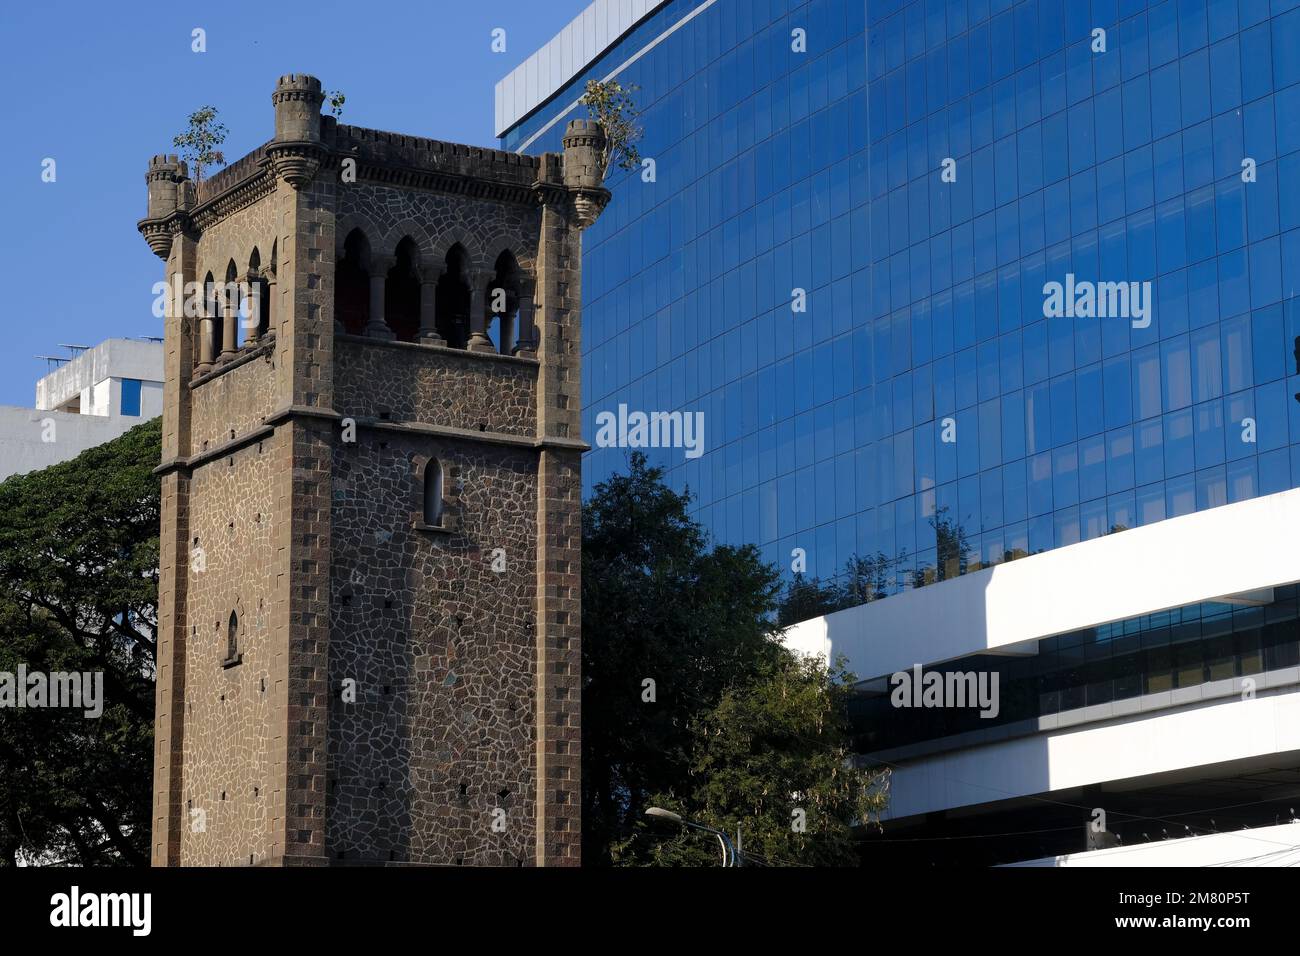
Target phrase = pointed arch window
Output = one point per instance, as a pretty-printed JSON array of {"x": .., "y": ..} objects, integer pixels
[
  {"x": 352, "y": 284},
  {"x": 233, "y": 656}
]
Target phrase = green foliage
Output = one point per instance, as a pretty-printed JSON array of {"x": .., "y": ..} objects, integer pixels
[
  {"x": 78, "y": 592},
  {"x": 613, "y": 107},
  {"x": 200, "y": 143},
  {"x": 336, "y": 99},
  {"x": 740, "y": 733},
  {"x": 660, "y": 604},
  {"x": 772, "y": 761}
]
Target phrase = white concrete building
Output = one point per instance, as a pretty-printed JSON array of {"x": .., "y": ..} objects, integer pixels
[
  {"x": 1148, "y": 680},
  {"x": 93, "y": 397}
]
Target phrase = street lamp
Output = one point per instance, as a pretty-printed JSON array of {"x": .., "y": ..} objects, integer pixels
[{"x": 728, "y": 851}]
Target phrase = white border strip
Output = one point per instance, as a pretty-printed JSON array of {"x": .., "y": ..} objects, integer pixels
[
  {"x": 1203, "y": 556},
  {"x": 616, "y": 71}
]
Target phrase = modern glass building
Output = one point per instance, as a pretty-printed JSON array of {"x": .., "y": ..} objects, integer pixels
[
  {"x": 1114, "y": 156},
  {"x": 845, "y": 260}
]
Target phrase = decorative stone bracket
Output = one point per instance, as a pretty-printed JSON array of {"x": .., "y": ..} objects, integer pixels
[{"x": 296, "y": 163}]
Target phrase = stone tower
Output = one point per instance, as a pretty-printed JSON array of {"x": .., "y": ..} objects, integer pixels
[{"x": 369, "y": 601}]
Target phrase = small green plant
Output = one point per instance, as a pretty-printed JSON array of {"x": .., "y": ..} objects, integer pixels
[
  {"x": 201, "y": 141},
  {"x": 336, "y": 99},
  {"x": 611, "y": 105}
]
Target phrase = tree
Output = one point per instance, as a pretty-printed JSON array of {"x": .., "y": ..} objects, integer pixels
[
  {"x": 673, "y": 630},
  {"x": 78, "y": 593},
  {"x": 200, "y": 143},
  {"x": 336, "y": 99},
  {"x": 612, "y": 106},
  {"x": 773, "y": 762}
]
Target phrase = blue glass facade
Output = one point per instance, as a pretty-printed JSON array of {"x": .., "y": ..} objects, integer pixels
[{"x": 822, "y": 170}]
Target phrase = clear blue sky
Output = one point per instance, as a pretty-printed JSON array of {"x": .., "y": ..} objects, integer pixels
[{"x": 102, "y": 86}]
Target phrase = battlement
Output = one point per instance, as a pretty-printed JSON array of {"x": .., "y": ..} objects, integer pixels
[
  {"x": 167, "y": 166},
  {"x": 384, "y": 148},
  {"x": 291, "y": 84},
  {"x": 583, "y": 132},
  {"x": 243, "y": 168},
  {"x": 377, "y": 148},
  {"x": 306, "y": 142}
]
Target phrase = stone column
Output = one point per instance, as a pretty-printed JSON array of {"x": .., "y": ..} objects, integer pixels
[
  {"x": 478, "y": 338},
  {"x": 525, "y": 332},
  {"x": 230, "y": 316},
  {"x": 268, "y": 290},
  {"x": 428, "y": 312},
  {"x": 377, "y": 327},
  {"x": 251, "y": 307},
  {"x": 207, "y": 334}
]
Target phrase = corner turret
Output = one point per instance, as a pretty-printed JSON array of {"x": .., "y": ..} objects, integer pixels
[
  {"x": 170, "y": 190},
  {"x": 296, "y": 152},
  {"x": 297, "y": 100},
  {"x": 584, "y": 169}
]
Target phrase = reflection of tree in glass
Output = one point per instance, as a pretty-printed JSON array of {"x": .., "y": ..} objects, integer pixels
[
  {"x": 864, "y": 579},
  {"x": 950, "y": 545},
  {"x": 870, "y": 578}
]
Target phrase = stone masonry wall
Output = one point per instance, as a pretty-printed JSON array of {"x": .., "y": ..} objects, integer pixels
[
  {"x": 438, "y": 744},
  {"x": 234, "y": 237},
  {"x": 435, "y": 386},
  {"x": 236, "y": 401},
  {"x": 230, "y": 711}
]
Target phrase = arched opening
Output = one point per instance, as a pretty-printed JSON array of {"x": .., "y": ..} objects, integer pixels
[
  {"x": 250, "y": 310},
  {"x": 433, "y": 494},
  {"x": 352, "y": 284},
  {"x": 402, "y": 293},
  {"x": 228, "y": 340},
  {"x": 207, "y": 342},
  {"x": 268, "y": 285},
  {"x": 232, "y": 637},
  {"x": 503, "y": 303},
  {"x": 453, "y": 298}
]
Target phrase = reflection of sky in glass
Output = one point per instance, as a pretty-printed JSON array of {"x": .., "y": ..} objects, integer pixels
[{"x": 821, "y": 171}]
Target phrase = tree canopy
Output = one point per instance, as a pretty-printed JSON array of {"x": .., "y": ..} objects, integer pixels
[
  {"x": 78, "y": 593},
  {"x": 690, "y": 700}
]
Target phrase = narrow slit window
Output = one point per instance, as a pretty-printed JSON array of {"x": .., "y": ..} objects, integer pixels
[
  {"x": 433, "y": 494},
  {"x": 232, "y": 637}
]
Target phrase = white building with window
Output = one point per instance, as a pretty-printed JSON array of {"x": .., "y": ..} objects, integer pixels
[
  {"x": 93, "y": 396},
  {"x": 1148, "y": 692}
]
